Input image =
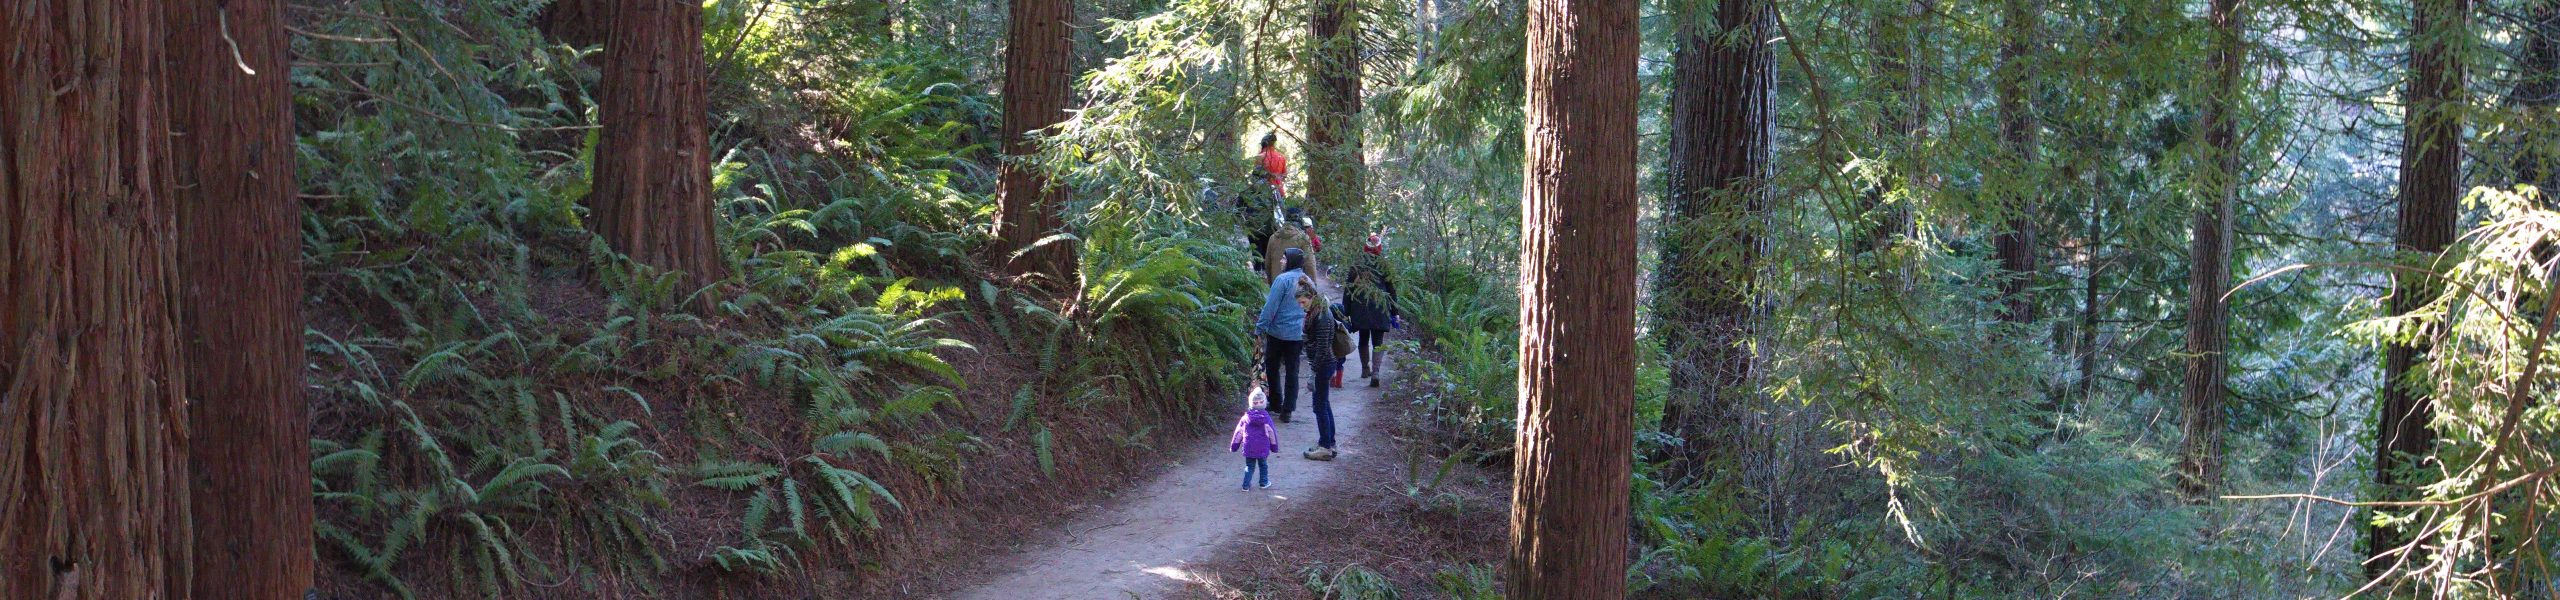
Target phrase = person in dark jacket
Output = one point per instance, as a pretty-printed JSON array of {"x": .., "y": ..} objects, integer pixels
[
  {"x": 1369, "y": 295},
  {"x": 1321, "y": 329}
]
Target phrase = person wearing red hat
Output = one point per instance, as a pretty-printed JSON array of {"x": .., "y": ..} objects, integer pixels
[{"x": 1369, "y": 295}]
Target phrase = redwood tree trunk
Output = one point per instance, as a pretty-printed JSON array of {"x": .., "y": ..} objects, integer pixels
[
  {"x": 2016, "y": 244},
  {"x": 2209, "y": 267},
  {"x": 1722, "y": 89},
  {"x": 652, "y": 197},
  {"x": 1039, "y": 47},
  {"x": 2538, "y": 92},
  {"x": 2430, "y": 192},
  {"x": 93, "y": 423},
  {"x": 239, "y": 227},
  {"x": 1336, "y": 175},
  {"x": 1577, "y": 303}
]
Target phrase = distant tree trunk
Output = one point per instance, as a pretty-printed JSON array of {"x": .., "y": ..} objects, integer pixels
[
  {"x": 1897, "y": 46},
  {"x": 2209, "y": 266},
  {"x": 1577, "y": 297},
  {"x": 239, "y": 226},
  {"x": 652, "y": 197},
  {"x": 93, "y": 422},
  {"x": 2538, "y": 93},
  {"x": 1039, "y": 47},
  {"x": 1336, "y": 178},
  {"x": 2430, "y": 190},
  {"x": 1722, "y": 88},
  {"x": 2016, "y": 244},
  {"x": 576, "y": 22}
]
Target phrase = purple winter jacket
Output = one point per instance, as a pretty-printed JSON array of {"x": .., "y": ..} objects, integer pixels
[{"x": 1254, "y": 435}]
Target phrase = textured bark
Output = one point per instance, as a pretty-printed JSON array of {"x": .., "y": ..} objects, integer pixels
[
  {"x": 1039, "y": 50},
  {"x": 93, "y": 423},
  {"x": 2209, "y": 267},
  {"x": 1577, "y": 297},
  {"x": 239, "y": 228},
  {"x": 2430, "y": 193},
  {"x": 652, "y": 197},
  {"x": 1722, "y": 86},
  {"x": 1337, "y": 177},
  {"x": 2016, "y": 244}
]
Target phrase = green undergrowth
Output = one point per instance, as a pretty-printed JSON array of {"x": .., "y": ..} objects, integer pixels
[{"x": 503, "y": 404}]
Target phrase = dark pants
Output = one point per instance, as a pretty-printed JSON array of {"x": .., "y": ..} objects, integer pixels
[
  {"x": 1280, "y": 368},
  {"x": 1369, "y": 343},
  {"x": 1319, "y": 392},
  {"x": 1257, "y": 465}
]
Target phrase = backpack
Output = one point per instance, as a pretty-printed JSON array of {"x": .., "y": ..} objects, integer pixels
[{"x": 1342, "y": 344}]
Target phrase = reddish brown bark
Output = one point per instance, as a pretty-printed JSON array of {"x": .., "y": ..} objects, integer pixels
[
  {"x": 1337, "y": 177},
  {"x": 1577, "y": 303},
  {"x": 575, "y": 22},
  {"x": 238, "y": 226},
  {"x": 2209, "y": 267},
  {"x": 652, "y": 193},
  {"x": 1039, "y": 47},
  {"x": 1722, "y": 83},
  {"x": 2430, "y": 195},
  {"x": 93, "y": 424},
  {"x": 2015, "y": 246}
]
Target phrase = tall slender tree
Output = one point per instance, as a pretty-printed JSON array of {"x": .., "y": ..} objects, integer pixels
[
  {"x": 2016, "y": 243},
  {"x": 239, "y": 228},
  {"x": 2209, "y": 263},
  {"x": 1039, "y": 50},
  {"x": 652, "y": 192},
  {"x": 1900, "y": 45},
  {"x": 1337, "y": 177},
  {"x": 2430, "y": 191},
  {"x": 1577, "y": 303},
  {"x": 93, "y": 434},
  {"x": 1723, "y": 85},
  {"x": 2537, "y": 92}
]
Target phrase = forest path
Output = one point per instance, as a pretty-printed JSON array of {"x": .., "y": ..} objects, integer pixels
[{"x": 1141, "y": 543}]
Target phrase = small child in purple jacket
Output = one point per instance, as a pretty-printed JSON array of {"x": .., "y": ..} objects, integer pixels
[{"x": 1256, "y": 438}]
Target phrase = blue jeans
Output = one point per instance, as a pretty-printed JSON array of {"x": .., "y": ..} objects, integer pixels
[
  {"x": 1257, "y": 465},
  {"x": 1319, "y": 394}
]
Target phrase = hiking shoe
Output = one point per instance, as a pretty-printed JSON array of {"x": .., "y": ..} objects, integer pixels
[
  {"x": 1266, "y": 485},
  {"x": 1319, "y": 453},
  {"x": 1373, "y": 382}
]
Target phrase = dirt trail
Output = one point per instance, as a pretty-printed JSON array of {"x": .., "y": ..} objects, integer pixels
[{"x": 1142, "y": 543}]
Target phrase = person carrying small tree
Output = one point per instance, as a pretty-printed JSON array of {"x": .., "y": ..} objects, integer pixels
[{"x": 1369, "y": 297}]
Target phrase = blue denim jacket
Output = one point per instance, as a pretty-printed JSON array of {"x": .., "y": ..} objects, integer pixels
[{"x": 1281, "y": 316}]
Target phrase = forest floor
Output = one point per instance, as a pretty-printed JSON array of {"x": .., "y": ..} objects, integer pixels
[{"x": 1145, "y": 543}]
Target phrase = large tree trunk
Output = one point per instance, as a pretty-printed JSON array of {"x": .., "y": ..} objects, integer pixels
[
  {"x": 1577, "y": 303},
  {"x": 2016, "y": 243},
  {"x": 1336, "y": 178},
  {"x": 2430, "y": 189},
  {"x": 239, "y": 225},
  {"x": 1039, "y": 47},
  {"x": 2537, "y": 92},
  {"x": 1722, "y": 88},
  {"x": 93, "y": 423},
  {"x": 576, "y": 22},
  {"x": 652, "y": 197},
  {"x": 2209, "y": 267}
]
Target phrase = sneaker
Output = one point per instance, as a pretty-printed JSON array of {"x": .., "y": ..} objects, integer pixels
[
  {"x": 1266, "y": 485},
  {"x": 1319, "y": 453}
]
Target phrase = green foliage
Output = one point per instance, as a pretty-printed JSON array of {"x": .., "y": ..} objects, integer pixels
[{"x": 1351, "y": 582}]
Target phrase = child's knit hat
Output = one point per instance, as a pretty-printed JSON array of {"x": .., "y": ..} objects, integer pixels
[{"x": 1258, "y": 399}]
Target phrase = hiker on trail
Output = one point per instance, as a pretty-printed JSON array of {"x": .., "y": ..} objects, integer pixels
[
  {"x": 1296, "y": 233},
  {"x": 1284, "y": 329},
  {"x": 1274, "y": 168},
  {"x": 1369, "y": 296},
  {"x": 1322, "y": 358},
  {"x": 1256, "y": 438}
]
